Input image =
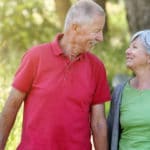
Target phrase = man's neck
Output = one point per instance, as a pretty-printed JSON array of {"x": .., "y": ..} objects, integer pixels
[{"x": 67, "y": 48}]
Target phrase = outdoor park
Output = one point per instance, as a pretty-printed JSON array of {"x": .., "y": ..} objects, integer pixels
[{"x": 25, "y": 23}]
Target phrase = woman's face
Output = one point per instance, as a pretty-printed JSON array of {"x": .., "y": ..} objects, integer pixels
[{"x": 136, "y": 55}]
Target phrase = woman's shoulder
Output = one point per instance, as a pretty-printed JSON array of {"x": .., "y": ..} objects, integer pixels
[{"x": 117, "y": 91}]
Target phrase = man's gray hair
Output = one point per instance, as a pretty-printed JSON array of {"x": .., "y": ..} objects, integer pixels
[
  {"x": 144, "y": 35},
  {"x": 82, "y": 12}
]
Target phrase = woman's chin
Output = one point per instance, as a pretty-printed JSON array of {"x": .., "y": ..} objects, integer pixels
[{"x": 129, "y": 66}]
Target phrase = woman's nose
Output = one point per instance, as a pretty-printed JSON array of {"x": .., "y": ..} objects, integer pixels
[{"x": 128, "y": 50}]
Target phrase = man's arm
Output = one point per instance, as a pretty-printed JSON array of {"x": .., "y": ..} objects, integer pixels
[
  {"x": 8, "y": 114},
  {"x": 99, "y": 127}
]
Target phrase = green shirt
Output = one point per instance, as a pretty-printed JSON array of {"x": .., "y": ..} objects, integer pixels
[{"x": 135, "y": 119}]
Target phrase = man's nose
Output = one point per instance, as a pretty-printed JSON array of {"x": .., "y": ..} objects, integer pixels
[{"x": 99, "y": 37}]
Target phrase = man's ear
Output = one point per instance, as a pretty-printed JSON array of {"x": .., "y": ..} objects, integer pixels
[{"x": 75, "y": 27}]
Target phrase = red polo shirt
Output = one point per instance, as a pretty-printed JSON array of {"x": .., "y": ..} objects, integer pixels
[{"x": 60, "y": 94}]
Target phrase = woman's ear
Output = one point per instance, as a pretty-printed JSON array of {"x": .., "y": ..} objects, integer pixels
[{"x": 148, "y": 58}]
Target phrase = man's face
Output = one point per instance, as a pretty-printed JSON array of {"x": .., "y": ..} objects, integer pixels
[{"x": 86, "y": 36}]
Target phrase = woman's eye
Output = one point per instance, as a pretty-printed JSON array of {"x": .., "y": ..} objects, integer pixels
[{"x": 134, "y": 47}]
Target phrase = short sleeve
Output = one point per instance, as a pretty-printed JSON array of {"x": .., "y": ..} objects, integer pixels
[
  {"x": 25, "y": 74},
  {"x": 102, "y": 91}
]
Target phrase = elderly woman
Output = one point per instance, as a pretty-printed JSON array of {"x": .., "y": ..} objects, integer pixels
[{"x": 129, "y": 117}]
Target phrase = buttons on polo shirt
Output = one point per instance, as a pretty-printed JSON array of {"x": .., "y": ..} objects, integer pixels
[{"x": 68, "y": 68}]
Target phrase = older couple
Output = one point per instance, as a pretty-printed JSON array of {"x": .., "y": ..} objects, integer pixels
[{"x": 64, "y": 86}]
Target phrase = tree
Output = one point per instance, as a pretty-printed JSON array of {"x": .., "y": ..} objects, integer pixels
[
  {"x": 24, "y": 24},
  {"x": 138, "y": 14},
  {"x": 103, "y": 4},
  {"x": 62, "y": 7}
]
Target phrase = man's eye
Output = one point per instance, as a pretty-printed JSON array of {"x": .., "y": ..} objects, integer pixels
[{"x": 96, "y": 31}]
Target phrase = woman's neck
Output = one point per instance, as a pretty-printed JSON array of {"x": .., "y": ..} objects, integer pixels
[{"x": 141, "y": 81}]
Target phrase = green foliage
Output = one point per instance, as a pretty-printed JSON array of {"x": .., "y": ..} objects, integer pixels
[
  {"x": 26, "y": 23},
  {"x": 116, "y": 41},
  {"x": 22, "y": 20},
  {"x": 8, "y": 65}
]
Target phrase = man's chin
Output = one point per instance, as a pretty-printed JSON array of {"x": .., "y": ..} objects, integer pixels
[{"x": 92, "y": 47}]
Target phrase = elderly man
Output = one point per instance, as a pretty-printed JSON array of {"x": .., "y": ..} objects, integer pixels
[{"x": 63, "y": 87}]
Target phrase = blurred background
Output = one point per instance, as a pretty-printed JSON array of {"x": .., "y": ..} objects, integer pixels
[{"x": 24, "y": 23}]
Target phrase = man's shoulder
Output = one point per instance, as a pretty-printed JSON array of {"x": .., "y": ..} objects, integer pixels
[
  {"x": 37, "y": 51},
  {"x": 94, "y": 59},
  {"x": 40, "y": 48}
]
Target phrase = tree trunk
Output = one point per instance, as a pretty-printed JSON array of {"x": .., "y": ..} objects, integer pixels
[
  {"x": 102, "y": 3},
  {"x": 62, "y": 7},
  {"x": 138, "y": 14}
]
